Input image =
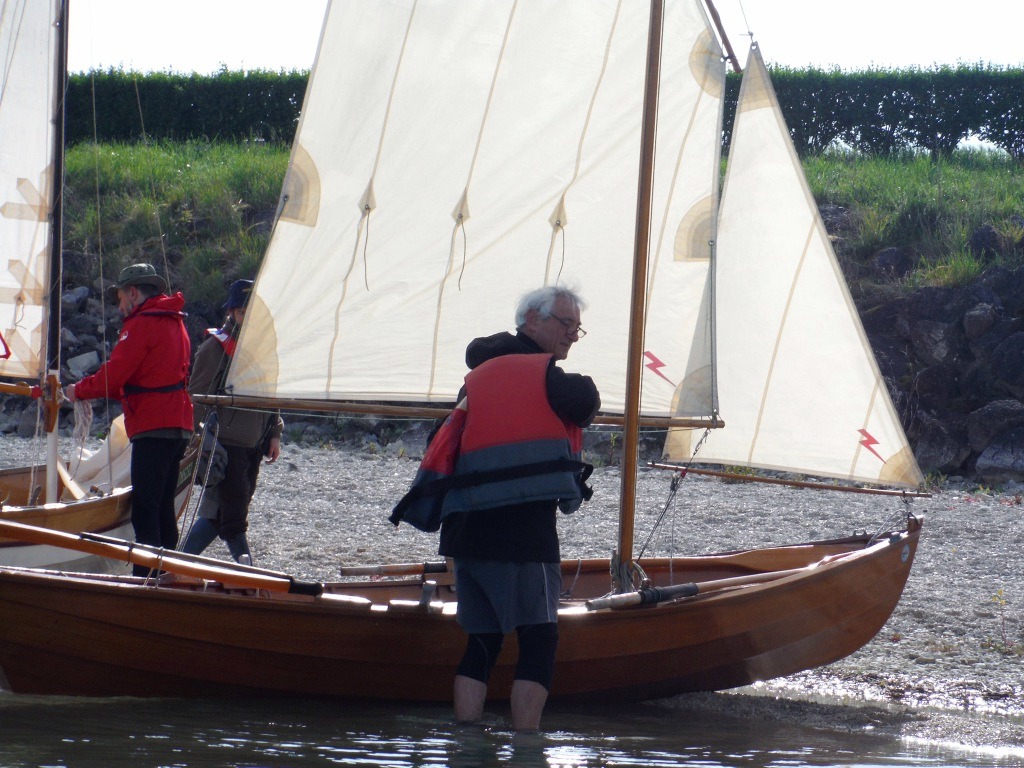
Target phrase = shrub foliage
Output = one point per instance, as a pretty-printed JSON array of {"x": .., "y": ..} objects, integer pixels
[
  {"x": 874, "y": 111},
  {"x": 228, "y": 106}
]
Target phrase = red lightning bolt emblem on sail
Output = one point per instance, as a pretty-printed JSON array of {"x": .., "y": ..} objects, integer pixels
[
  {"x": 656, "y": 365},
  {"x": 868, "y": 442}
]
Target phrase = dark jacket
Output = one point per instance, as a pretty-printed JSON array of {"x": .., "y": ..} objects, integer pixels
[
  {"x": 237, "y": 426},
  {"x": 523, "y": 532}
]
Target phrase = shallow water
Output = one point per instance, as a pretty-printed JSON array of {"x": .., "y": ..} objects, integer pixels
[{"x": 687, "y": 731}]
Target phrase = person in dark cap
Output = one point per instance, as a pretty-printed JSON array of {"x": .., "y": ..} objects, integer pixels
[
  {"x": 148, "y": 371},
  {"x": 245, "y": 435}
]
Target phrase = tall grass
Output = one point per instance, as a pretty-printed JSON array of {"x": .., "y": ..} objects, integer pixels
[
  {"x": 206, "y": 208},
  {"x": 929, "y": 208},
  {"x": 201, "y": 206}
]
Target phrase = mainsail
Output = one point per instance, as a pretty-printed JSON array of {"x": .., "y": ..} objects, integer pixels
[
  {"x": 28, "y": 94},
  {"x": 452, "y": 156},
  {"x": 441, "y": 169},
  {"x": 798, "y": 384}
]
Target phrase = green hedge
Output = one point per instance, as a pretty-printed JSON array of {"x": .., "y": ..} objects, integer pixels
[
  {"x": 875, "y": 111},
  {"x": 228, "y": 106},
  {"x": 888, "y": 111}
]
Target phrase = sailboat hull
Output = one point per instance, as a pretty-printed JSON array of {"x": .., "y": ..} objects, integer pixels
[
  {"x": 109, "y": 514},
  {"x": 106, "y": 635}
]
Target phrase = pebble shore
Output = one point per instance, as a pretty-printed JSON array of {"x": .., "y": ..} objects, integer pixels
[{"x": 949, "y": 665}]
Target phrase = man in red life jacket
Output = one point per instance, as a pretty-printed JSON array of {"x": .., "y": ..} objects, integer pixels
[
  {"x": 246, "y": 435},
  {"x": 148, "y": 371},
  {"x": 505, "y": 462}
]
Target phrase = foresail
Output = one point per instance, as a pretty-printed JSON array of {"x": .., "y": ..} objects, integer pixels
[
  {"x": 453, "y": 155},
  {"x": 799, "y": 387},
  {"x": 28, "y": 46}
]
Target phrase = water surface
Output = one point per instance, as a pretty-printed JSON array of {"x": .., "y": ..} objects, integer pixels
[{"x": 696, "y": 732}]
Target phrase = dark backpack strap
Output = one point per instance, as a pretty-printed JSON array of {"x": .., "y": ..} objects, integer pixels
[
  {"x": 445, "y": 484},
  {"x": 135, "y": 389}
]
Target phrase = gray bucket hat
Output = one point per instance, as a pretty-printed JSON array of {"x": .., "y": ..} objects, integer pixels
[{"x": 136, "y": 274}]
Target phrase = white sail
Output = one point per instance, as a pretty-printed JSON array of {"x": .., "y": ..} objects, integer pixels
[
  {"x": 28, "y": 42},
  {"x": 452, "y": 156},
  {"x": 798, "y": 384}
]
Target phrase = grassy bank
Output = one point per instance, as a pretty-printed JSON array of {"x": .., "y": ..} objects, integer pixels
[
  {"x": 928, "y": 208},
  {"x": 207, "y": 208}
]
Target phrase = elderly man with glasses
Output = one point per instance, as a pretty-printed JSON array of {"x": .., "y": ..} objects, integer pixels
[{"x": 512, "y": 450}]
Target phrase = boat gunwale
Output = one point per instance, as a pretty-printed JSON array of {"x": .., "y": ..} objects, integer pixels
[{"x": 194, "y": 587}]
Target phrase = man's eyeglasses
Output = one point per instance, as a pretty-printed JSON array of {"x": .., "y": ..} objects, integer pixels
[{"x": 570, "y": 326}]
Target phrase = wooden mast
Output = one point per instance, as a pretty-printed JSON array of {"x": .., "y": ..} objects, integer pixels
[
  {"x": 624, "y": 568},
  {"x": 717, "y": 20},
  {"x": 51, "y": 353}
]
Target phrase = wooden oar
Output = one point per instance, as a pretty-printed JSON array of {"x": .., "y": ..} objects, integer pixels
[
  {"x": 160, "y": 559},
  {"x": 393, "y": 569},
  {"x": 50, "y": 396},
  {"x": 69, "y": 482},
  {"x": 654, "y": 595},
  {"x": 23, "y": 390}
]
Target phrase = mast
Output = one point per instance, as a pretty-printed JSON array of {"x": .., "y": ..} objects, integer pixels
[
  {"x": 624, "y": 568},
  {"x": 51, "y": 353},
  {"x": 717, "y": 21}
]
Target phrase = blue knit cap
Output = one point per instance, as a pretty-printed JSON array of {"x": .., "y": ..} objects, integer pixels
[{"x": 238, "y": 296}]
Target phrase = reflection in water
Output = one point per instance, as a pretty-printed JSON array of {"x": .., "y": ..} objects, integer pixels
[{"x": 696, "y": 732}]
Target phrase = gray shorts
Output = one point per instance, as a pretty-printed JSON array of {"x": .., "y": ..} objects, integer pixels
[{"x": 496, "y": 596}]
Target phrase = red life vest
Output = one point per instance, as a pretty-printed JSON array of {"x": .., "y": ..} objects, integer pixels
[
  {"x": 502, "y": 445},
  {"x": 227, "y": 341}
]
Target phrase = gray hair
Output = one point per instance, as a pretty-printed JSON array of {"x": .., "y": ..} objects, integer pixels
[
  {"x": 543, "y": 300},
  {"x": 148, "y": 291}
]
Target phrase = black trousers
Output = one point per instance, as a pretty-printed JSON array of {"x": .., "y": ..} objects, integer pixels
[
  {"x": 155, "y": 462},
  {"x": 237, "y": 488}
]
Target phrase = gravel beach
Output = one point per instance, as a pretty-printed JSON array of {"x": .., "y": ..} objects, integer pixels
[{"x": 948, "y": 667}]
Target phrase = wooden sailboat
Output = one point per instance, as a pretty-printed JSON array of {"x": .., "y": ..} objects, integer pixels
[
  {"x": 451, "y": 156},
  {"x": 91, "y": 494}
]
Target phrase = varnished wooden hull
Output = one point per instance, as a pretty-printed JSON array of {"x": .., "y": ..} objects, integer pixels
[
  {"x": 109, "y": 515},
  {"x": 104, "y": 635}
]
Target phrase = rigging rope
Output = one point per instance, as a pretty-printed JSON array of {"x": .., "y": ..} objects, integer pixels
[
  {"x": 83, "y": 421},
  {"x": 461, "y": 227},
  {"x": 894, "y": 519},
  {"x": 673, "y": 488},
  {"x": 105, "y": 346},
  {"x": 152, "y": 185},
  {"x": 188, "y": 519},
  {"x": 561, "y": 266},
  {"x": 366, "y": 248}
]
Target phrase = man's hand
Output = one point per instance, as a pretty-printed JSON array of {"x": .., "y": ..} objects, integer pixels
[
  {"x": 69, "y": 393},
  {"x": 273, "y": 450}
]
